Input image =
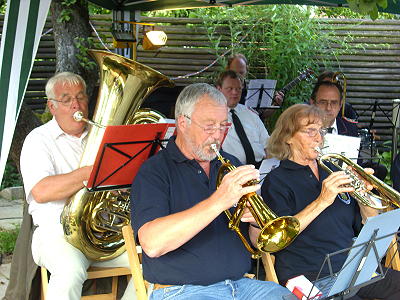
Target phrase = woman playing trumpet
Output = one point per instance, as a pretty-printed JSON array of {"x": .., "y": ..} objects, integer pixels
[{"x": 301, "y": 188}]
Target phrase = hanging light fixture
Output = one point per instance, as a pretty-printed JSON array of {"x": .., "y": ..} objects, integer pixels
[{"x": 154, "y": 39}]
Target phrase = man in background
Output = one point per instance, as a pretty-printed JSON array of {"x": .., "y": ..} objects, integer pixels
[{"x": 247, "y": 138}]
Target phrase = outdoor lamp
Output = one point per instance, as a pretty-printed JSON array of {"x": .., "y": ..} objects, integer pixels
[{"x": 154, "y": 39}]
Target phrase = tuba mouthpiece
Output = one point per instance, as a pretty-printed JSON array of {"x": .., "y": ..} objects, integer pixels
[{"x": 78, "y": 116}]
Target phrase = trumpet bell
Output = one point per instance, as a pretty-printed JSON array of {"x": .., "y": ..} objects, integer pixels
[{"x": 278, "y": 233}]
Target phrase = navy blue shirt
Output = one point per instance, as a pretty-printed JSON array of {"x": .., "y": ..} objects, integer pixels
[
  {"x": 168, "y": 183},
  {"x": 287, "y": 190}
]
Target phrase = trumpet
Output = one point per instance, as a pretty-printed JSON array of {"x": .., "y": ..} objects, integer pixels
[
  {"x": 276, "y": 232},
  {"x": 381, "y": 197}
]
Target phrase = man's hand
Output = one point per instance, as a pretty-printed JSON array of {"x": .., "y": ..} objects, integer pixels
[
  {"x": 233, "y": 187},
  {"x": 278, "y": 98}
]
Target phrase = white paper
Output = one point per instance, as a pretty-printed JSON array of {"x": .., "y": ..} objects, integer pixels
[
  {"x": 267, "y": 89},
  {"x": 348, "y": 146}
]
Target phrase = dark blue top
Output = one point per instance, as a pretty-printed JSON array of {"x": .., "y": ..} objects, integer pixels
[
  {"x": 345, "y": 127},
  {"x": 395, "y": 172},
  {"x": 287, "y": 190},
  {"x": 168, "y": 183}
]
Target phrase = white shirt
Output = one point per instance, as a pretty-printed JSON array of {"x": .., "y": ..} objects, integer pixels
[
  {"x": 48, "y": 151},
  {"x": 255, "y": 132},
  {"x": 334, "y": 128}
]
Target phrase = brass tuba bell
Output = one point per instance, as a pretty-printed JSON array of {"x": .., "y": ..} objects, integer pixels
[
  {"x": 380, "y": 198},
  {"x": 276, "y": 232},
  {"x": 93, "y": 221}
]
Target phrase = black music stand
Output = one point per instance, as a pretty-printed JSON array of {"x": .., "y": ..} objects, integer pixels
[
  {"x": 260, "y": 93},
  {"x": 393, "y": 120},
  {"x": 123, "y": 150}
]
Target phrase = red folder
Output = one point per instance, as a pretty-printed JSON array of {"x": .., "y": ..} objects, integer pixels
[{"x": 123, "y": 150}]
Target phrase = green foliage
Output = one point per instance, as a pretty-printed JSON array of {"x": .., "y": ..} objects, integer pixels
[
  {"x": 385, "y": 158},
  {"x": 342, "y": 12},
  {"x": 65, "y": 15},
  {"x": 83, "y": 45},
  {"x": 45, "y": 116},
  {"x": 11, "y": 176},
  {"x": 368, "y": 7},
  {"x": 8, "y": 239},
  {"x": 277, "y": 47},
  {"x": 3, "y": 5},
  {"x": 97, "y": 10},
  {"x": 176, "y": 13}
]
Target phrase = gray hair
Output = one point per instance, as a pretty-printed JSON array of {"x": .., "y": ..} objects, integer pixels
[
  {"x": 191, "y": 94},
  {"x": 64, "y": 78}
]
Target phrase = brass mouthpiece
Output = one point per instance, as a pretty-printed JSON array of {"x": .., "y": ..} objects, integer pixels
[{"x": 78, "y": 116}]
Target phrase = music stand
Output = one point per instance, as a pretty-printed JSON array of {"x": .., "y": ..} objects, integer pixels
[
  {"x": 260, "y": 93},
  {"x": 393, "y": 120},
  {"x": 123, "y": 150},
  {"x": 363, "y": 259}
]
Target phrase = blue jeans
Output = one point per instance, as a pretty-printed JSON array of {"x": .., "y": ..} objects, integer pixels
[{"x": 243, "y": 289}]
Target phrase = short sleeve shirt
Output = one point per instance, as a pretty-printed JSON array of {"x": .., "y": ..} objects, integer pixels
[{"x": 48, "y": 151}]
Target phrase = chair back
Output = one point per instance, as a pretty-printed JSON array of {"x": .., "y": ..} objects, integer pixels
[{"x": 134, "y": 262}]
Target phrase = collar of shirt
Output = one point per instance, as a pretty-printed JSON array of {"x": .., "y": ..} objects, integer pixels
[
  {"x": 56, "y": 131},
  {"x": 334, "y": 126},
  {"x": 291, "y": 165},
  {"x": 177, "y": 155}
]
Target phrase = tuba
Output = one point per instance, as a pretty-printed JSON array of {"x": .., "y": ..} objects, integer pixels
[
  {"x": 276, "y": 232},
  {"x": 381, "y": 197},
  {"x": 93, "y": 221}
]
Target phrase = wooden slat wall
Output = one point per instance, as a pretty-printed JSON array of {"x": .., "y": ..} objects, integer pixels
[{"x": 373, "y": 71}]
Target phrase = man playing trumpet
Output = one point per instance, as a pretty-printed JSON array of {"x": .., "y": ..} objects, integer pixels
[{"x": 178, "y": 215}]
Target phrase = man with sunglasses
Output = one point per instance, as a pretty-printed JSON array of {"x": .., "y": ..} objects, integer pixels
[
  {"x": 49, "y": 165},
  {"x": 247, "y": 137},
  {"x": 178, "y": 214}
]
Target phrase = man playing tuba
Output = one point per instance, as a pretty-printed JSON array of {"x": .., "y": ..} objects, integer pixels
[
  {"x": 178, "y": 215},
  {"x": 49, "y": 166}
]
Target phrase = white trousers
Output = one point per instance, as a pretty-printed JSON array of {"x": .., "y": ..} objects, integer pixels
[{"x": 68, "y": 265}]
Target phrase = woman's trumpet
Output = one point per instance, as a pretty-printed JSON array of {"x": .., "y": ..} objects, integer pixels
[
  {"x": 276, "y": 232},
  {"x": 382, "y": 195}
]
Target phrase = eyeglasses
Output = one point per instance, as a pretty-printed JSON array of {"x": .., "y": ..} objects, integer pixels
[
  {"x": 67, "y": 100},
  {"x": 326, "y": 103},
  {"x": 312, "y": 132},
  {"x": 211, "y": 129}
]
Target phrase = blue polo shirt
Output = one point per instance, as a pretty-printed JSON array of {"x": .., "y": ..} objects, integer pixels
[
  {"x": 168, "y": 183},
  {"x": 287, "y": 190}
]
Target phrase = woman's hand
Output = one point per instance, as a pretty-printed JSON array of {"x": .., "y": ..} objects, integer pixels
[{"x": 334, "y": 184}]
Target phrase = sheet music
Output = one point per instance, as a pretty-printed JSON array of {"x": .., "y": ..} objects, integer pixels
[
  {"x": 255, "y": 86},
  {"x": 169, "y": 133},
  {"x": 348, "y": 146}
]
